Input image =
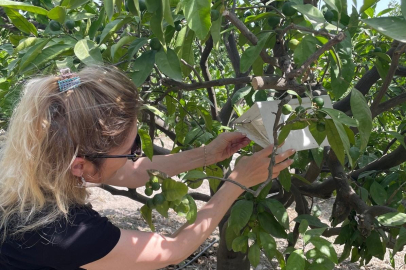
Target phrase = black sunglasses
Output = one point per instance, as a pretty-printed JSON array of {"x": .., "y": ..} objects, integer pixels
[{"x": 136, "y": 152}]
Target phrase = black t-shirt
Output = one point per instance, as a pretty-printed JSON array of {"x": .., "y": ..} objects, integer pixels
[{"x": 62, "y": 245}]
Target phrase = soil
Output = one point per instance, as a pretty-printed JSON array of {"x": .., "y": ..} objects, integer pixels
[{"x": 125, "y": 213}]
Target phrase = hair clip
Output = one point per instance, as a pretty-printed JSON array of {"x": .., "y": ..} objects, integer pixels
[{"x": 69, "y": 82}]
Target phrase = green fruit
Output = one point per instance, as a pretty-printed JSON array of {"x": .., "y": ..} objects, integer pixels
[
  {"x": 377, "y": 49},
  {"x": 321, "y": 126},
  {"x": 214, "y": 14},
  {"x": 142, "y": 4},
  {"x": 274, "y": 21},
  {"x": 150, "y": 203},
  {"x": 293, "y": 44},
  {"x": 155, "y": 186},
  {"x": 321, "y": 115},
  {"x": 155, "y": 44},
  {"x": 286, "y": 109},
  {"x": 76, "y": 61},
  {"x": 260, "y": 208},
  {"x": 97, "y": 39},
  {"x": 159, "y": 199},
  {"x": 247, "y": 13},
  {"x": 101, "y": 27},
  {"x": 70, "y": 24},
  {"x": 251, "y": 224},
  {"x": 148, "y": 191},
  {"x": 178, "y": 26},
  {"x": 329, "y": 15},
  {"x": 36, "y": 2},
  {"x": 288, "y": 10},
  {"x": 318, "y": 101},
  {"x": 249, "y": 196},
  {"x": 54, "y": 26},
  {"x": 299, "y": 109},
  {"x": 253, "y": 217}
]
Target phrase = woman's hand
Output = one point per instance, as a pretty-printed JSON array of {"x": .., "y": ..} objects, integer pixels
[
  {"x": 252, "y": 170},
  {"x": 225, "y": 145}
]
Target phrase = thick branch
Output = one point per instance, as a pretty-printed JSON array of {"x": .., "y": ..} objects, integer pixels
[
  {"x": 387, "y": 105},
  {"x": 206, "y": 75},
  {"x": 277, "y": 83},
  {"x": 394, "y": 65},
  {"x": 249, "y": 35},
  {"x": 193, "y": 86},
  {"x": 321, "y": 32},
  {"x": 298, "y": 72}
]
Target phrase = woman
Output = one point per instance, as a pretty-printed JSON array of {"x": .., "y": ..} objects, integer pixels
[{"x": 79, "y": 128}]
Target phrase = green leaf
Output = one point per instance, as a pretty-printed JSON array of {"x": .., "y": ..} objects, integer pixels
[
  {"x": 318, "y": 154},
  {"x": 241, "y": 93},
  {"x": 254, "y": 254},
  {"x": 96, "y": 24},
  {"x": 73, "y": 4},
  {"x": 23, "y": 6},
  {"x": 192, "y": 214},
  {"x": 399, "y": 137},
  {"x": 214, "y": 170},
  {"x": 215, "y": 31},
  {"x": 240, "y": 214},
  {"x": 152, "y": 109},
  {"x": 285, "y": 179},
  {"x": 317, "y": 135},
  {"x": 156, "y": 21},
  {"x": 146, "y": 213},
  {"x": 186, "y": 52},
  {"x": 296, "y": 261},
  {"x": 113, "y": 27},
  {"x": 306, "y": 47},
  {"x": 284, "y": 133},
  {"x": 251, "y": 54},
  {"x": 163, "y": 209},
  {"x": 403, "y": 8},
  {"x": 314, "y": 16},
  {"x": 401, "y": 240},
  {"x": 334, "y": 140},
  {"x": 193, "y": 175},
  {"x": 109, "y": 7},
  {"x": 240, "y": 243},
  {"x": 271, "y": 225},
  {"x": 374, "y": 245},
  {"x": 279, "y": 211},
  {"x": 268, "y": 243},
  {"x": 325, "y": 247},
  {"x": 362, "y": 113},
  {"x": 88, "y": 52},
  {"x": 143, "y": 66},
  {"x": 393, "y": 27},
  {"x": 197, "y": 14},
  {"x": 46, "y": 55},
  {"x": 58, "y": 14},
  {"x": 173, "y": 190},
  {"x": 167, "y": 12},
  {"x": 303, "y": 226},
  {"x": 339, "y": 116},
  {"x": 378, "y": 193},
  {"x": 312, "y": 220},
  {"x": 31, "y": 54},
  {"x": 294, "y": 93},
  {"x": 392, "y": 219},
  {"x": 146, "y": 143},
  {"x": 117, "y": 48},
  {"x": 367, "y": 4},
  {"x": 382, "y": 67},
  {"x": 20, "y": 21},
  {"x": 135, "y": 46},
  {"x": 169, "y": 63}
]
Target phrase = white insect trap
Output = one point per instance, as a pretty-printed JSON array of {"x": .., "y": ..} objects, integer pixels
[{"x": 258, "y": 123}]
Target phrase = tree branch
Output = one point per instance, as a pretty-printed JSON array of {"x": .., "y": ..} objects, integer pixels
[
  {"x": 278, "y": 83},
  {"x": 193, "y": 86},
  {"x": 389, "y": 104}
]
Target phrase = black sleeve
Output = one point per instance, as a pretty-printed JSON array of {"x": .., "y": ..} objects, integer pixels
[{"x": 63, "y": 245}]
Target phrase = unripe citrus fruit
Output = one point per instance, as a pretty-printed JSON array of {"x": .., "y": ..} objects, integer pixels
[
  {"x": 178, "y": 26},
  {"x": 377, "y": 49},
  {"x": 70, "y": 24},
  {"x": 214, "y": 14},
  {"x": 150, "y": 204},
  {"x": 97, "y": 39},
  {"x": 142, "y": 4},
  {"x": 158, "y": 199},
  {"x": 299, "y": 109},
  {"x": 54, "y": 26},
  {"x": 148, "y": 191},
  {"x": 155, "y": 186},
  {"x": 36, "y": 2},
  {"x": 247, "y": 13},
  {"x": 286, "y": 109},
  {"x": 274, "y": 21},
  {"x": 288, "y": 10},
  {"x": 155, "y": 44},
  {"x": 321, "y": 126},
  {"x": 318, "y": 101},
  {"x": 329, "y": 15}
]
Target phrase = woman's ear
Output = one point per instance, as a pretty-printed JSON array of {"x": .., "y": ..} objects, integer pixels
[{"x": 77, "y": 167}]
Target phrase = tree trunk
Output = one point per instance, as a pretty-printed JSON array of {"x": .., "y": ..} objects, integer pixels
[{"x": 230, "y": 260}]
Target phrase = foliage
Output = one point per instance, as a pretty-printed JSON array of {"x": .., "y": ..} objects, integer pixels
[{"x": 194, "y": 63}]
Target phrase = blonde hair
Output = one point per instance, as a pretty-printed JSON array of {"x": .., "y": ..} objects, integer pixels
[{"x": 47, "y": 130}]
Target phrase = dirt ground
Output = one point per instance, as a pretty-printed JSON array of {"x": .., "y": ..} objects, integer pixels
[{"x": 125, "y": 213}]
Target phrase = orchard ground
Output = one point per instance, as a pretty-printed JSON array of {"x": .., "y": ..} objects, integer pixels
[{"x": 125, "y": 213}]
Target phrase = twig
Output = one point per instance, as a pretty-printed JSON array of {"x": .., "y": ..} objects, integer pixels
[
  {"x": 297, "y": 72},
  {"x": 225, "y": 180},
  {"x": 394, "y": 193},
  {"x": 194, "y": 86},
  {"x": 322, "y": 32},
  {"x": 391, "y": 143},
  {"x": 193, "y": 68}
]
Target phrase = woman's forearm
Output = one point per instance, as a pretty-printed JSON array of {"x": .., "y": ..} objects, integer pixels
[{"x": 134, "y": 174}]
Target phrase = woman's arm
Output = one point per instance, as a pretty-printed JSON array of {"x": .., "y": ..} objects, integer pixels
[
  {"x": 134, "y": 174},
  {"x": 141, "y": 250}
]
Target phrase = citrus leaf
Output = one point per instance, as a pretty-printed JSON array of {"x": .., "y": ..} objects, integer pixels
[
  {"x": 31, "y": 54},
  {"x": 271, "y": 225},
  {"x": 254, "y": 254},
  {"x": 279, "y": 211},
  {"x": 146, "y": 213},
  {"x": 46, "y": 55},
  {"x": 285, "y": 179},
  {"x": 268, "y": 243},
  {"x": 378, "y": 193},
  {"x": 88, "y": 52},
  {"x": 197, "y": 14},
  {"x": 168, "y": 63},
  {"x": 241, "y": 93},
  {"x": 143, "y": 66},
  {"x": 251, "y": 54},
  {"x": 240, "y": 214},
  {"x": 324, "y": 247},
  {"x": 362, "y": 113},
  {"x": 146, "y": 143},
  {"x": 58, "y": 14},
  {"x": 393, "y": 27},
  {"x": 23, "y": 6},
  {"x": 173, "y": 190},
  {"x": 334, "y": 140},
  {"x": 296, "y": 261},
  {"x": 392, "y": 219},
  {"x": 20, "y": 21},
  {"x": 192, "y": 214}
]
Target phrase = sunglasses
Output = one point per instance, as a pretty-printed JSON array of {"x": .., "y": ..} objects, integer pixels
[{"x": 136, "y": 152}]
